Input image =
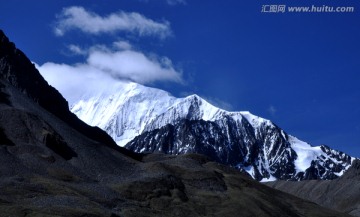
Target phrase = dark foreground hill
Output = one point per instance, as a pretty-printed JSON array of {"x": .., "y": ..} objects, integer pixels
[
  {"x": 342, "y": 194},
  {"x": 52, "y": 164}
]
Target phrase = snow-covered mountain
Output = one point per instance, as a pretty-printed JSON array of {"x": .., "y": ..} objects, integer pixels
[{"x": 146, "y": 119}]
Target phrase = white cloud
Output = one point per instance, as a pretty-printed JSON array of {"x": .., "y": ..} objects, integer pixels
[
  {"x": 92, "y": 23},
  {"x": 133, "y": 65},
  {"x": 122, "y": 45},
  {"x": 272, "y": 110},
  {"x": 75, "y": 49},
  {"x": 104, "y": 68},
  {"x": 175, "y": 2},
  {"x": 219, "y": 103},
  {"x": 73, "y": 81},
  {"x": 169, "y": 2}
]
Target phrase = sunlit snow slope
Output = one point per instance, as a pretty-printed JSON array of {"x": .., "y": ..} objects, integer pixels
[{"x": 151, "y": 120}]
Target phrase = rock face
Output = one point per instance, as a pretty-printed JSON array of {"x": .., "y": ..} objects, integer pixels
[
  {"x": 52, "y": 164},
  {"x": 151, "y": 120},
  {"x": 18, "y": 71},
  {"x": 266, "y": 153}
]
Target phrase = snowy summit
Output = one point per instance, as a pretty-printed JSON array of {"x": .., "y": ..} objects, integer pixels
[{"x": 147, "y": 119}]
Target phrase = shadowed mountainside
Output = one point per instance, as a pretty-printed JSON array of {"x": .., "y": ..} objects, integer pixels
[
  {"x": 18, "y": 71},
  {"x": 52, "y": 164},
  {"x": 342, "y": 194}
]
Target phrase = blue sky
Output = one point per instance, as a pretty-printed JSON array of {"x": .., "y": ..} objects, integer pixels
[{"x": 300, "y": 70}]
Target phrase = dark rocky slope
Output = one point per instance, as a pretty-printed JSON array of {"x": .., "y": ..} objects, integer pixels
[
  {"x": 52, "y": 164},
  {"x": 265, "y": 151},
  {"x": 342, "y": 194},
  {"x": 18, "y": 71}
]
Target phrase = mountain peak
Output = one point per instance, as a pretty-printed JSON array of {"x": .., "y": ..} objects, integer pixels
[{"x": 150, "y": 120}]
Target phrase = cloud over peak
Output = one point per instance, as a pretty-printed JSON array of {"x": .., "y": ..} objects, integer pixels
[
  {"x": 105, "y": 67},
  {"x": 89, "y": 22},
  {"x": 134, "y": 66}
]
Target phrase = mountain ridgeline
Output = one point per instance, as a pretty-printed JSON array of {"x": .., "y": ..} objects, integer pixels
[
  {"x": 53, "y": 164},
  {"x": 147, "y": 120}
]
